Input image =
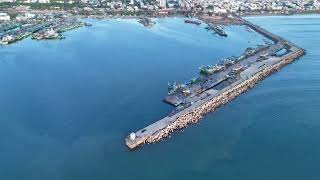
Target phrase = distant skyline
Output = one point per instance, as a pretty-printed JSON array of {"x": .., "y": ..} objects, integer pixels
[{"x": 212, "y": 6}]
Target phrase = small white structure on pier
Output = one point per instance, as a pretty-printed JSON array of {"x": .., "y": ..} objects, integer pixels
[{"x": 132, "y": 136}]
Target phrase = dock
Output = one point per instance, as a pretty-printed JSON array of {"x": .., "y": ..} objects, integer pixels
[
  {"x": 146, "y": 22},
  {"x": 227, "y": 84}
]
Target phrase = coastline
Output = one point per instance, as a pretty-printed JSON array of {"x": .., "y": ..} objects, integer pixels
[
  {"x": 160, "y": 14},
  {"x": 283, "y": 14}
]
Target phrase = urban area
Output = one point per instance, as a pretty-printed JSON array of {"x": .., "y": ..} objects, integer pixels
[
  {"x": 48, "y": 19},
  {"x": 203, "y": 6}
]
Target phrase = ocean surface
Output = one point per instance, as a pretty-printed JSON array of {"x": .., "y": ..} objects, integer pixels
[{"x": 66, "y": 106}]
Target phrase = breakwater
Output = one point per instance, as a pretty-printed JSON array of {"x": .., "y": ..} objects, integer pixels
[
  {"x": 244, "y": 76},
  {"x": 196, "y": 114}
]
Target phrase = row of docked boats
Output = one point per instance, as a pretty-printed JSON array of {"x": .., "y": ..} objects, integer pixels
[
  {"x": 218, "y": 29},
  {"x": 38, "y": 29},
  {"x": 47, "y": 34}
]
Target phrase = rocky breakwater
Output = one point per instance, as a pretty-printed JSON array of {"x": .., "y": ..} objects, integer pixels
[{"x": 195, "y": 115}]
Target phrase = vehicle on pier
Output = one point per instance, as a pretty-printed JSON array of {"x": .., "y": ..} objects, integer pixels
[{"x": 262, "y": 57}]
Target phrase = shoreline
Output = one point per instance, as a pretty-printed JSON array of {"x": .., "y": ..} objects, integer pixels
[
  {"x": 196, "y": 17},
  {"x": 282, "y": 14},
  {"x": 108, "y": 14}
]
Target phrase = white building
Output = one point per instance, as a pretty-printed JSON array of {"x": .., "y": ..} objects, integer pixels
[
  {"x": 219, "y": 10},
  {"x": 29, "y": 1},
  {"x": 163, "y": 3},
  {"x": 25, "y": 16},
  {"x": 43, "y": 1},
  {"x": 4, "y": 17}
]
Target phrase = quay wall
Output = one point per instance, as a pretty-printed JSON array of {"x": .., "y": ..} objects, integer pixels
[{"x": 196, "y": 114}]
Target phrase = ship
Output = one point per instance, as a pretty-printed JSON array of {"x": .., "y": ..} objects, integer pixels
[
  {"x": 47, "y": 34},
  {"x": 219, "y": 30},
  {"x": 3, "y": 42},
  {"x": 192, "y": 22},
  {"x": 7, "y": 40},
  {"x": 87, "y": 24},
  {"x": 210, "y": 76}
]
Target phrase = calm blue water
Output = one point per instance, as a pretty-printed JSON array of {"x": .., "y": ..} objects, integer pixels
[{"x": 66, "y": 106}]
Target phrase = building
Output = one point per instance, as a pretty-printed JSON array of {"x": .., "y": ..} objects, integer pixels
[
  {"x": 25, "y": 16},
  {"x": 1, "y": 1},
  {"x": 162, "y": 4},
  {"x": 43, "y": 1},
  {"x": 4, "y": 17}
]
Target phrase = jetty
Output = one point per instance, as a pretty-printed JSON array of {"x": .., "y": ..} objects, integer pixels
[
  {"x": 146, "y": 22},
  {"x": 217, "y": 85}
]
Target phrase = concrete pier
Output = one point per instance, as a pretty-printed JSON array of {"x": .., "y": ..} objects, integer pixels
[{"x": 257, "y": 71}]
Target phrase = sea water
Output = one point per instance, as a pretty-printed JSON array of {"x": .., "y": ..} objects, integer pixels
[{"x": 67, "y": 105}]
